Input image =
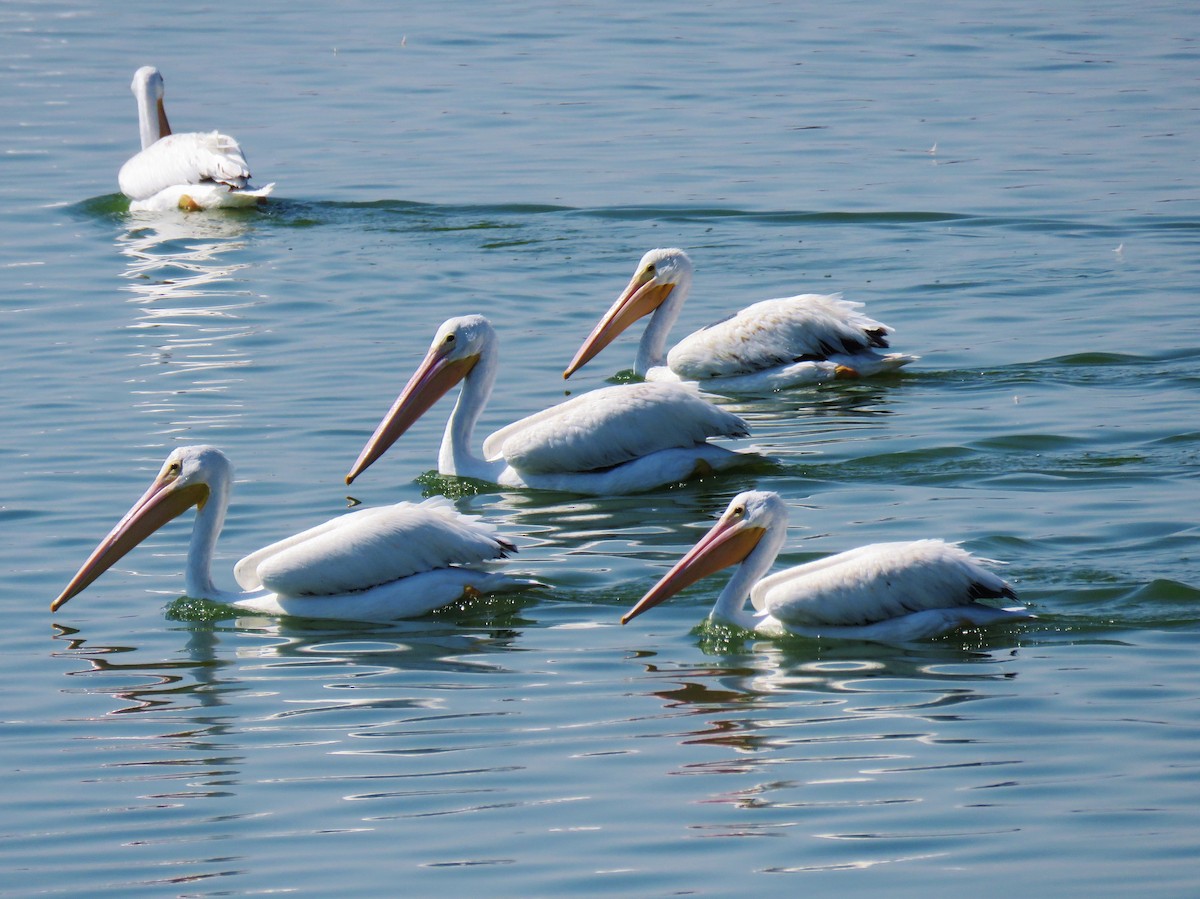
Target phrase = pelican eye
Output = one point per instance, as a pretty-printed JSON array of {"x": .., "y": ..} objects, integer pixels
[
  {"x": 738, "y": 512},
  {"x": 449, "y": 339}
]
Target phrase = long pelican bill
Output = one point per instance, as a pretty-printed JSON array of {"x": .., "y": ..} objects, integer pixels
[
  {"x": 641, "y": 297},
  {"x": 164, "y": 127},
  {"x": 165, "y": 500},
  {"x": 429, "y": 383},
  {"x": 728, "y": 543}
]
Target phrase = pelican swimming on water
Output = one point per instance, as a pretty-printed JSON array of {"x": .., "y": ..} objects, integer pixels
[
  {"x": 768, "y": 346},
  {"x": 616, "y": 440},
  {"x": 885, "y": 592},
  {"x": 191, "y": 171},
  {"x": 375, "y": 564}
]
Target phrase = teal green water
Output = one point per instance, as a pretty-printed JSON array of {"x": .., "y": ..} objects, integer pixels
[{"x": 1012, "y": 189}]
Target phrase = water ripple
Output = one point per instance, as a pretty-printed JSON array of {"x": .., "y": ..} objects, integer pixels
[{"x": 191, "y": 328}]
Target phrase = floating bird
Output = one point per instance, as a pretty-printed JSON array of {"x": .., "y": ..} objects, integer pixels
[
  {"x": 616, "y": 440},
  {"x": 885, "y": 592},
  {"x": 375, "y": 564},
  {"x": 768, "y": 346},
  {"x": 197, "y": 170}
]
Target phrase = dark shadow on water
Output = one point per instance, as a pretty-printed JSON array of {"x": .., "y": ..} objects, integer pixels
[
  {"x": 719, "y": 639},
  {"x": 187, "y": 681},
  {"x": 1074, "y": 368},
  {"x": 299, "y": 213},
  {"x": 462, "y": 637},
  {"x": 762, "y": 698},
  {"x": 491, "y": 611}
]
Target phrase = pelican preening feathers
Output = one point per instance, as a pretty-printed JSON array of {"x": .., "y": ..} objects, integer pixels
[
  {"x": 374, "y": 564},
  {"x": 190, "y": 171},
  {"x": 615, "y": 440},
  {"x": 768, "y": 346},
  {"x": 885, "y": 592}
]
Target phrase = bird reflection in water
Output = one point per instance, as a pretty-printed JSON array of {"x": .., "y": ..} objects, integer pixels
[{"x": 190, "y": 331}]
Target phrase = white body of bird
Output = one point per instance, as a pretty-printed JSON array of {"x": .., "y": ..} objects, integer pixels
[
  {"x": 395, "y": 561},
  {"x": 190, "y": 171},
  {"x": 770, "y": 345},
  {"x": 884, "y": 592},
  {"x": 616, "y": 440}
]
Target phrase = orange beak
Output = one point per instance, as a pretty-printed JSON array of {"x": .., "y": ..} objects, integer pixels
[
  {"x": 728, "y": 543},
  {"x": 164, "y": 501},
  {"x": 641, "y": 297},
  {"x": 164, "y": 127},
  {"x": 429, "y": 383}
]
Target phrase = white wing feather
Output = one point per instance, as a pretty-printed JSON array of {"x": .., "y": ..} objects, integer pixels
[
  {"x": 875, "y": 583},
  {"x": 189, "y": 158},
  {"x": 369, "y": 547},
  {"x": 777, "y": 332},
  {"x": 610, "y": 426}
]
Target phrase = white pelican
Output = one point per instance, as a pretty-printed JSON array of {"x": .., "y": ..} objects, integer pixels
[
  {"x": 375, "y": 564},
  {"x": 768, "y": 346},
  {"x": 197, "y": 170},
  {"x": 616, "y": 440},
  {"x": 886, "y": 592}
]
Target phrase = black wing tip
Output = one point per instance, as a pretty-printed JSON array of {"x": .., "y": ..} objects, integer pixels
[
  {"x": 878, "y": 338},
  {"x": 978, "y": 590}
]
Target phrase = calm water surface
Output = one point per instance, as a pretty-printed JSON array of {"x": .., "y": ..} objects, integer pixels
[{"x": 1013, "y": 190}]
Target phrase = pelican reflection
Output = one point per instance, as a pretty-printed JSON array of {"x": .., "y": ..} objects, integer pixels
[{"x": 191, "y": 332}]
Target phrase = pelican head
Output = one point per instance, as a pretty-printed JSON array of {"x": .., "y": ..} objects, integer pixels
[
  {"x": 188, "y": 478},
  {"x": 737, "y": 533},
  {"x": 456, "y": 349},
  {"x": 656, "y": 276},
  {"x": 147, "y": 80}
]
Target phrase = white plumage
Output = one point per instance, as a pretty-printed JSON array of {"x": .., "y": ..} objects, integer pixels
[
  {"x": 369, "y": 547},
  {"x": 196, "y": 170},
  {"x": 617, "y": 440},
  {"x": 374, "y": 564},
  {"x": 769, "y": 345},
  {"x": 888, "y": 592},
  {"x": 609, "y": 427}
]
